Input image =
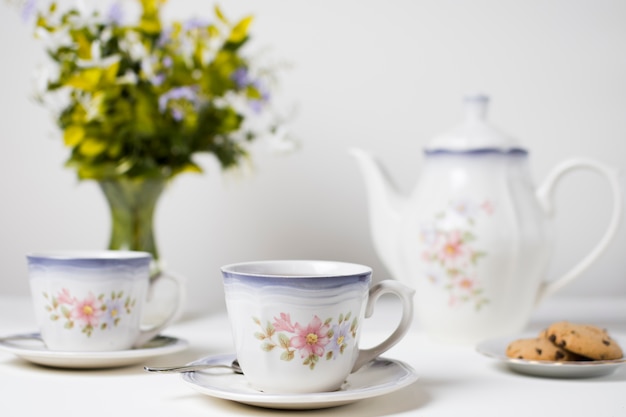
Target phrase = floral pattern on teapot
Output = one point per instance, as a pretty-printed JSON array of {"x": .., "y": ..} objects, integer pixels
[
  {"x": 450, "y": 252},
  {"x": 89, "y": 313},
  {"x": 313, "y": 341}
]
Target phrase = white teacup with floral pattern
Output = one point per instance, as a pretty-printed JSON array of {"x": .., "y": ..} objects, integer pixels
[
  {"x": 296, "y": 324},
  {"x": 92, "y": 300}
]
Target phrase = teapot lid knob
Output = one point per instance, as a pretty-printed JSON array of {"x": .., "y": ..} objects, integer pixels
[
  {"x": 476, "y": 106},
  {"x": 474, "y": 133}
]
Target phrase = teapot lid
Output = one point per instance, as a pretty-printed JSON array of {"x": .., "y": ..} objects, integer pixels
[{"x": 474, "y": 134}]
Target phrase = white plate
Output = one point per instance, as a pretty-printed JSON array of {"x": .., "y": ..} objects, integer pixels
[
  {"x": 31, "y": 348},
  {"x": 496, "y": 348},
  {"x": 379, "y": 377}
]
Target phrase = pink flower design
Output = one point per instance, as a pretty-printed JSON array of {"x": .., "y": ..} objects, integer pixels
[
  {"x": 283, "y": 323},
  {"x": 312, "y": 339},
  {"x": 90, "y": 314},
  {"x": 466, "y": 284},
  {"x": 453, "y": 247},
  {"x": 65, "y": 297},
  {"x": 487, "y": 206},
  {"x": 465, "y": 208},
  {"x": 451, "y": 254},
  {"x": 88, "y": 311}
]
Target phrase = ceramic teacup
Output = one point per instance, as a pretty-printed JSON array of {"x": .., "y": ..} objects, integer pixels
[
  {"x": 92, "y": 300},
  {"x": 297, "y": 324}
]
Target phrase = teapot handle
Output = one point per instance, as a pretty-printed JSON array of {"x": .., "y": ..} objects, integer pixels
[{"x": 545, "y": 194}]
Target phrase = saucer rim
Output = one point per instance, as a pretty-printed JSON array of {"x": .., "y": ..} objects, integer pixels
[
  {"x": 495, "y": 348},
  {"x": 87, "y": 359},
  {"x": 308, "y": 401}
]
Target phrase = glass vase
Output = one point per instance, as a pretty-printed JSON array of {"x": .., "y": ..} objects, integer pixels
[{"x": 132, "y": 204}]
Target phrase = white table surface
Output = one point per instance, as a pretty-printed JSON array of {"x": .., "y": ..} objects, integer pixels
[{"x": 453, "y": 380}]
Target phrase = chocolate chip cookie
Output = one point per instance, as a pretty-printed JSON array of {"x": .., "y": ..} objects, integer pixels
[
  {"x": 540, "y": 349},
  {"x": 584, "y": 339}
]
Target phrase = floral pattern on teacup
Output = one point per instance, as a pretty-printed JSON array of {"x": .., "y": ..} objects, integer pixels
[
  {"x": 451, "y": 253},
  {"x": 312, "y": 341},
  {"x": 89, "y": 313}
]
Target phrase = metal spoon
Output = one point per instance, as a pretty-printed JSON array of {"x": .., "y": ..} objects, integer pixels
[{"x": 234, "y": 366}]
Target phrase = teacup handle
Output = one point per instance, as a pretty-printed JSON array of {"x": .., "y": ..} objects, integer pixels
[
  {"x": 545, "y": 194},
  {"x": 405, "y": 294},
  {"x": 149, "y": 333}
]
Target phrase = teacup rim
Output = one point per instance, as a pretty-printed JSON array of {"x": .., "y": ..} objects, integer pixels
[
  {"x": 87, "y": 255},
  {"x": 351, "y": 268}
]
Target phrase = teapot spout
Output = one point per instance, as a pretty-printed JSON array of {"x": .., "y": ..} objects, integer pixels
[{"x": 386, "y": 212}]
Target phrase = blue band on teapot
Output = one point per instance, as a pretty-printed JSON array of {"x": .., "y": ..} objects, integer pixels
[{"x": 478, "y": 151}]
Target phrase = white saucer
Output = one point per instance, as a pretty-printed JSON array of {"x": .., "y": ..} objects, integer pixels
[
  {"x": 379, "y": 377},
  {"x": 30, "y": 347},
  {"x": 496, "y": 348}
]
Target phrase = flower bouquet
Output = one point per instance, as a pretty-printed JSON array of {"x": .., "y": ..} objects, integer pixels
[
  {"x": 137, "y": 101},
  {"x": 140, "y": 100}
]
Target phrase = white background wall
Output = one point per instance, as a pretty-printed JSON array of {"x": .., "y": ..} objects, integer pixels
[{"x": 381, "y": 75}]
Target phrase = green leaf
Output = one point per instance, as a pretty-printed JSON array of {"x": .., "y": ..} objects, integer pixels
[
  {"x": 477, "y": 255},
  {"x": 268, "y": 346},
  {"x": 85, "y": 80},
  {"x": 73, "y": 135},
  {"x": 110, "y": 73},
  {"x": 284, "y": 341},
  {"x": 468, "y": 237},
  {"x": 83, "y": 44},
  {"x": 190, "y": 167},
  {"x": 219, "y": 14},
  {"x": 150, "y": 22},
  {"x": 91, "y": 147},
  {"x": 240, "y": 31}
]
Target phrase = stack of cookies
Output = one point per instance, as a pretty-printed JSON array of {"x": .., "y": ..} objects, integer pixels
[{"x": 564, "y": 341}]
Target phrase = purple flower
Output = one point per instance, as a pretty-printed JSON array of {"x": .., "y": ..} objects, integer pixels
[
  {"x": 341, "y": 337},
  {"x": 177, "y": 114},
  {"x": 240, "y": 77},
  {"x": 167, "y": 62},
  {"x": 195, "y": 23},
  {"x": 256, "y": 106},
  {"x": 265, "y": 94},
  {"x": 29, "y": 10},
  {"x": 178, "y": 93},
  {"x": 158, "y": 79},
  {"x": 114, "y": 310},
  {"x": 116, "y": 14},
  {"x": 164, "y": 37}
]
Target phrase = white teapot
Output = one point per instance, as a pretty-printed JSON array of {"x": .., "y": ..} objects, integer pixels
[{"x": 475, "y": 237}]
